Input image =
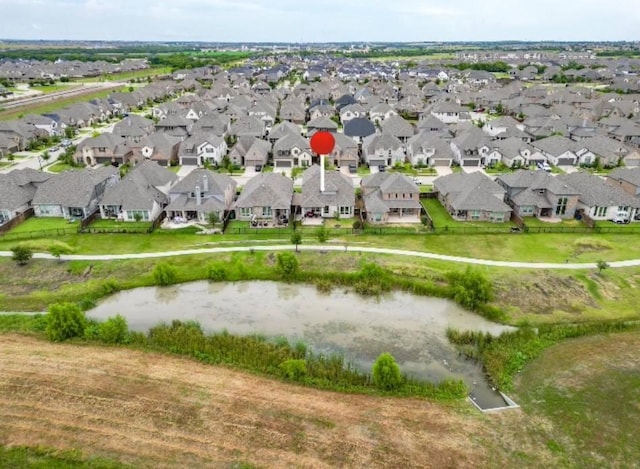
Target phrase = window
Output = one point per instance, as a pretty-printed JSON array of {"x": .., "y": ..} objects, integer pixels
[
  {"x": 245, "y": 211},
  {"x": 345, "y": 210},
  {"x": 131, "y": 214},
  {"x": 208, "y": 150},
  {"x": 600, "y": 212},
  {"x": 325, "y": 209},
  {"x": 475, "y": 214},
  {"x": 561, "y": 206},
  {"x": 266, "y": 211}
]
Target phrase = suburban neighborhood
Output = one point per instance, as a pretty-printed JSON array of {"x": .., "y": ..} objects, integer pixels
[{"x": 234, "y": 143}]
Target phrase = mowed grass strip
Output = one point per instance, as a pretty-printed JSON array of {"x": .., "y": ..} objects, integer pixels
[{"x": 588, "y": 390}]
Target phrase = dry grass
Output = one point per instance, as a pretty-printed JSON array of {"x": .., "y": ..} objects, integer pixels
[{"x": 158, "y": 411}]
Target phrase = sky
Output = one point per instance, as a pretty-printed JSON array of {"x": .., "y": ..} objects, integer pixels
[{"x": 320, "y": 20}]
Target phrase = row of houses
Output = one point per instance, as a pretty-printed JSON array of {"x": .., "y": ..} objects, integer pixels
[
  {"x": 527, "y": 193},
  {"x": 149, "y": 189}
]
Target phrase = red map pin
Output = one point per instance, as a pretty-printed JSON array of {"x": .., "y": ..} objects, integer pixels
[{"x": 322, "y": 143}]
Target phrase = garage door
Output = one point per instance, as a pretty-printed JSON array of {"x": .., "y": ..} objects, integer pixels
[
  {"x": 441, "y": 163},
  {"x": 565, "y": 162},
  {"x": 376, "y": 163},
  {"x": 470, "y": 162},
  {"x": 189, "y": 161},
  {"x": 283, "y": 163}
]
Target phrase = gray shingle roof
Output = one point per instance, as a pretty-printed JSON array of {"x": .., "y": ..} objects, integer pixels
[
  {"x": 267, "y": 190},
  {"x": 338, "y": 189},
  {"x": 595, "y": 192},
  {"x": 73, "y": 188},
  {"x": 473, "y": 191}
]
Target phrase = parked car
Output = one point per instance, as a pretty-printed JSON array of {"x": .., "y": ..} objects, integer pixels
[
  {"x": 258, "y": 168},
  {"x": 353, "y": 168},
  {"x": 417, "y": 181},
  {"x": 382, "y": 169},
  {"x": 621, "y": 218},
  {"x": 544, "y": 166}
]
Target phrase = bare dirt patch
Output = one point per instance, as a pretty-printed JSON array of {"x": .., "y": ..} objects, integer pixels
[
  {"x": 154, "y": 410},
  {"x": 542, "y": 293}
]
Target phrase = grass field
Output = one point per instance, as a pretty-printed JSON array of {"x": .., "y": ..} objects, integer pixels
[
  {"x": 42, "y": 224},
  {"x": 55, "y": 105},
  {"x": 59, "y": 167},
  {"x": 441, "y": 217},
  {"x": 125, "y": 76},
  {"x": 46, "y": 89}
]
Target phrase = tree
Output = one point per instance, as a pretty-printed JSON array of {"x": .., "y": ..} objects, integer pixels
[
  {"x": 56, "y": 250},
  {"x": 45, "y": 156},
  {"x": 22, "y": 254},
  {"x": 322, "y": 234},
  {"x": 470, "y": 288},
  {"x": 137, "y": 216},
  {"x": 64, "y": 321},
  {"x": 386, "y": 373},
  {"x": 287, "y": 264},
  {"x": 212, "y": 218},
  {"x": 296, "y": 238},
  {"x": 602, "y": 265}
]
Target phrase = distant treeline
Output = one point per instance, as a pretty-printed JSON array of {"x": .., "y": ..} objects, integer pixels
[
  {"x": 375, "y": 53},
  {"x": 170, "y": 56},
  {"x": 498, "y": 66},
  {"x": 619, "y": 53}
]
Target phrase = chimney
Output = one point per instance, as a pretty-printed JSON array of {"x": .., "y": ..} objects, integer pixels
[
  {"x": 198, "y": 196},
  {"x": 205, "y": 184},
  {"x": 321, "y": 173}
]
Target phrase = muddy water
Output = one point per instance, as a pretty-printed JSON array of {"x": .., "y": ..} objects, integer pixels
[{"x": 411, "y": 328}]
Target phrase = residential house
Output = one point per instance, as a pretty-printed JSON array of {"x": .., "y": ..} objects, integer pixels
[
  {"x": 471, "y": 147},
  {"x": 293, "y": 112},
  {"x": 106, "y": 148},
  {"x": 47, "y": 124},
  {"x": 282, "y": 129},
  {"x": 142, "y": 193},
  {"x": 398, "y": 127},
  {"x": 558, "y": 150},
  {"x": 199, "y": 149},
  {"x": 158, "y": 147},
  {"x": 512, "y": 152},
  {"x": 258, "y": 153},
  {"x": 539, "y": 194},
  {"x": 327, "y": 195},
  {"x": 448, "y": 112},
  {"x": 345, "y": 152},
  {"x": 382, "y": 150},
  {"x": 628, "y": 179},
  {"x": 291, "y": 151},
  {"x": 390, "y": 198},
  {"x": 238, "y": 152},
  {"x": 359, "y": 128},
  {"x": 472, "y": 197},
  {"x": 381, "y": 112},
  {"x": 427, "y": 149},
  {"x": 200, "y": 193},
  {"x": 601, "y": 149},
  {"x": 175, "y": 126},
  {"x": 248, "y": 126},
  {"x": 352, "y": 111},
  {"x": 17, "y": 189},
  {"x": 321, "y": 123},
  {"x": 74, "y": 194},
  {"x": 266, "y": 197},
  {"x": 600, "y": 200}
]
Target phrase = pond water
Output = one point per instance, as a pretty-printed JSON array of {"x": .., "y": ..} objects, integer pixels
[{"x": 411, "y": 328}]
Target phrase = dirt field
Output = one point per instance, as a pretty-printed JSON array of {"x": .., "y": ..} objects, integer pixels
[{"x": 158, "y": 411}]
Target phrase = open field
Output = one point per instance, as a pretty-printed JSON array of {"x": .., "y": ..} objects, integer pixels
[
  {"x": 39, "y": 108},
  {"x": 152, "y": 410}
]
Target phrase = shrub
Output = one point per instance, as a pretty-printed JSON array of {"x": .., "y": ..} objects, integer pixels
[
  {"x": 114, "y": 330},
  {"x": 217, "y": 273},
  {"x": 21, "y": 254},
  {"x": 64, "y": 321},
  {"x": 164, "y": 274},
  {"x": 294, "y": 370},
  {"x": 296, "y": 238},
  {"x": 322, "y": 234},
  {"x": 386, "y": 373},
  {"x": 358, "y": 225},
  {"x": 287, "y": 264},
  {"x": 470, "y": 288}
]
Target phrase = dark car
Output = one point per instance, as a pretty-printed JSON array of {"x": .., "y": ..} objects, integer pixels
[
  {"x": 258, "y": 168},
  {"x": 353, "y": 168},
  {"x": 382, "y": 169}
]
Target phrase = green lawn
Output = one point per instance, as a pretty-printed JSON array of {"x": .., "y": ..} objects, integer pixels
[
  {"x": 534, "y": 222},
  {"x": 47, "y": 89},
  {"x": 42, "y": 224},
  {"x": 174, "y": 169},
  {"x": 363, "y": 171},
  {"x": 586, "y": 391},
  {"x": 120, "y": 224},
  {"x": 441, "y": 217},
  {"x": 59, "y": 167}
]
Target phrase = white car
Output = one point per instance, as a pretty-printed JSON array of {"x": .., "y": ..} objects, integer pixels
[
  {"x": 417, "y": 181},
  {"x": 544, "y": 166}
]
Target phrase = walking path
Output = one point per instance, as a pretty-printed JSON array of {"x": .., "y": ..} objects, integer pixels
[{"x": 342, "y": 247}]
